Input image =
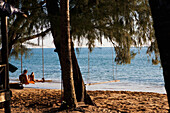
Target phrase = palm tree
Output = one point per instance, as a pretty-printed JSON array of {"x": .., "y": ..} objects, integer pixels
[{"x": 65, "y": 56}]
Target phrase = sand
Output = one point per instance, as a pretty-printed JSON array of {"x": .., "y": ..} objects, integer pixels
[{"x": 47, "y": 100}]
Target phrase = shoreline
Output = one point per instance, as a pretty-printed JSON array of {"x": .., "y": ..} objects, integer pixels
[
  {"x": 47, "y": 100},
  {"x": 119, "y": 86}
]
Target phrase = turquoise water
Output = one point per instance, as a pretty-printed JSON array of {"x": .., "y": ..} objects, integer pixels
[{"x": 140, "y": 75}]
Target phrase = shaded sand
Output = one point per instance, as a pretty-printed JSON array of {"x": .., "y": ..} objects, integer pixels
[{"x": 46, "y": 101}]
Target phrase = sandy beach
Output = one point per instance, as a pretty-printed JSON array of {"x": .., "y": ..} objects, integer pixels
[{"x": 30, "y": 100}]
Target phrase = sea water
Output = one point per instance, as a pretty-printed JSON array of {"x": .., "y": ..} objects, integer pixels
[{"x": 139, "y": 75}]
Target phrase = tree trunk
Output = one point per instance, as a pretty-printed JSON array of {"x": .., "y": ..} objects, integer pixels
[
  {"x": 160, "y": 12},
  {"x": 81, "y": 93},
  {"x": 5, "y": 74},
  {"x": 65, "y": 53},
  {"x": 80, "y": 90}
]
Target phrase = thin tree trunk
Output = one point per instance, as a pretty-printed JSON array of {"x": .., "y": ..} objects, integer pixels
[
  {"x": 65, "y": 52},
  {"x": 160, "y": 12},
  {"x": 80, "y": 89}
]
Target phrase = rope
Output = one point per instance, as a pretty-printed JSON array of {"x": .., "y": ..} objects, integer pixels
[
  {"x": 113, "y": 64},
  {"x": 38, "y": 41},
  {"x": 88, "y": 67},
  {"x": 21, "y": 57},
  {"x": 116, "y": 70},
  {"x": 42, "y": 59}
]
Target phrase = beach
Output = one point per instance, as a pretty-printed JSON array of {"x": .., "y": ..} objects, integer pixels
[
  {"x": 30, "y": 100},
  {"x": 140, "y": 89}
]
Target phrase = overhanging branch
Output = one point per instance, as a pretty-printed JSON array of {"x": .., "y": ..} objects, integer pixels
[{"x": 33, "y": 36}]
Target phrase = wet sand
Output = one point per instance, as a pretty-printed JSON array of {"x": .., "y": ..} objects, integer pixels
[{"x": 47, "y": 100}]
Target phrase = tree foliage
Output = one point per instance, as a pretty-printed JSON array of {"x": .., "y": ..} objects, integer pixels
[
  {"x": 125, "y": 23},
  {"x": 21, "y": 50},
  {"x": 21, "y": 29}
]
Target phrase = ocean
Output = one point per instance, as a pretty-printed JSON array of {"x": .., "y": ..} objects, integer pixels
[{"x": 140, "y": 75}]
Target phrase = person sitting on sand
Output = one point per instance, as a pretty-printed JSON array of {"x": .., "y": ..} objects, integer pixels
[
  {"x": 31, "y": 77},
  {"x": 23, "y": 78}
]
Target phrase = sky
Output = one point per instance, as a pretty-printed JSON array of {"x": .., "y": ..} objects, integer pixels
[{"x": 48, "y": 43}]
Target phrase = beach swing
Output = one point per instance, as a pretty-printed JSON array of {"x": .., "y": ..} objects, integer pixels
[
  {"x": 114, "y": 80},
  {"x": 43, "y": 79}
]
